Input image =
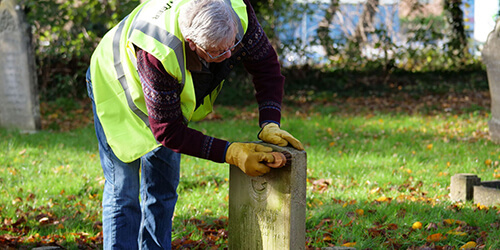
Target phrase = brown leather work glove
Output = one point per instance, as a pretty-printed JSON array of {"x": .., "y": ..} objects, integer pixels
[
  {"x": 272, "y": 133},
  {"x": 250, "y": 157}
]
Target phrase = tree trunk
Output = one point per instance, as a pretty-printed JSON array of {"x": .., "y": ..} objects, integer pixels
[
  {"x": 455, "y": 14},
  {"x": 323, "y": 31},
  {"x": 365, "y": 23}
]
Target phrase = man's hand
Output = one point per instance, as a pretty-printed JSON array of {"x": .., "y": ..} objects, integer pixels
[
  {"x": 250, "y": 157},
  {"x": 272, "y": 133}
]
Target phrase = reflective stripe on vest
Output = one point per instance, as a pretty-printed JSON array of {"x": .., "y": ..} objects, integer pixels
[
  {"x": 166, "y": 38},
  {"x": 121, "y": 74}
]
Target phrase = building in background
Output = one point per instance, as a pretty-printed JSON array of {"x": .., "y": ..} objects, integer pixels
[{"x": 479, "y": 20}]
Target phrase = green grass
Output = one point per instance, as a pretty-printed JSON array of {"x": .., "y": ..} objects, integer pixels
[{"x": 371, "y": 175}]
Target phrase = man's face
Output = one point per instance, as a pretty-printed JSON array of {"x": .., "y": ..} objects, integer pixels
[{"x": 216, "y": 54}]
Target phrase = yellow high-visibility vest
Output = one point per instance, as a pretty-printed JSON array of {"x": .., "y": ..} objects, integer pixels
[{"x": 153, "y": 26}]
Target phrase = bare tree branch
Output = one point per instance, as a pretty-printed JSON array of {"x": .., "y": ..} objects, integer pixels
[{"x": 365, "y": 23}]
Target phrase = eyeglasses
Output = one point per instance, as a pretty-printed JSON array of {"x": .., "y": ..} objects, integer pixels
[{"x": 221, "y": 54}]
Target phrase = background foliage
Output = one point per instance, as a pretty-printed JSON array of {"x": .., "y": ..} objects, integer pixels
[{"x": 65, "y": 33}]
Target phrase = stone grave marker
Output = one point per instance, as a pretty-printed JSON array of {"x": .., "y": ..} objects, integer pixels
[
  {"x": 491, "y": 57},
  {"x": 19, "y": 106},
  {"x": 469, "y": 187},
  {"x": 462, "y": 186},
  {"x": 268, "y": 212}
]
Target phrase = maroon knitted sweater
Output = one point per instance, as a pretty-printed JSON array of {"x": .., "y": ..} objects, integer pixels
[{"x": 162, "y": 93}]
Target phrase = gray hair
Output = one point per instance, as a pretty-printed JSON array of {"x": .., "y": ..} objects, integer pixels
[{"x": 208, "y": 23}]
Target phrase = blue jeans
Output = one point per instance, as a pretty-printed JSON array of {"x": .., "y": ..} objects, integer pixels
[{"x": 130, "y": 223}]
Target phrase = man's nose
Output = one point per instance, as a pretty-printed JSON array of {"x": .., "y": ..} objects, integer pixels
[{"x": 227, "y": 55}]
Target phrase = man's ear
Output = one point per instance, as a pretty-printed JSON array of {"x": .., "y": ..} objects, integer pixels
[{"x": 191, "y": 44}]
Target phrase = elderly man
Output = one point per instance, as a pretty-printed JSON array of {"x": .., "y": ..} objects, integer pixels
[{"x": 157, "y": 70}]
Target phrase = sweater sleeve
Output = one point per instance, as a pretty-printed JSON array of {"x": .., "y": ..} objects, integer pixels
[
  {"x": 262, "y": 63},
  {"x": 162, "y": 97}
]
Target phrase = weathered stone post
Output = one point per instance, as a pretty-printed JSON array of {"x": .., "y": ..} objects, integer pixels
[
  {"x": 19, "y": 106},
  {"x": 491, "y": 57},
  {"x": 462, "y": 186},
  {"x": 268, "y": 212}
]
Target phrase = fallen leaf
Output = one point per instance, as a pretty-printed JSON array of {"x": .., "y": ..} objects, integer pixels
[
  {"x": 321, "y": 185},
  {"x": 360, "y": 212},
  {"x": 349, "y": 244},
  {"x": 482, "y": 207},
  {"x": 417, "y": 225},
  {"x": 383, "y": 199},
  {"x": 12, "y": 171},
  {"x": 44, "y": 221},
  {"x": 349, "y": 223},
  {"x": 456, "y": 233},
  {"x": 375, "y": 232},
  {"x": 17, "y": 200},
  {"x": 31, "y": 197},
  {"x": 375, "y": 190},
  {"x": 392, "y": 226},
  {"x": 453, "y": 221},
  {"x": 436, "y": 237},
  {"x": 431, "y": 226},
  {"x": 7, "y": 221},
  {"x": 469, "y": 245}
]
